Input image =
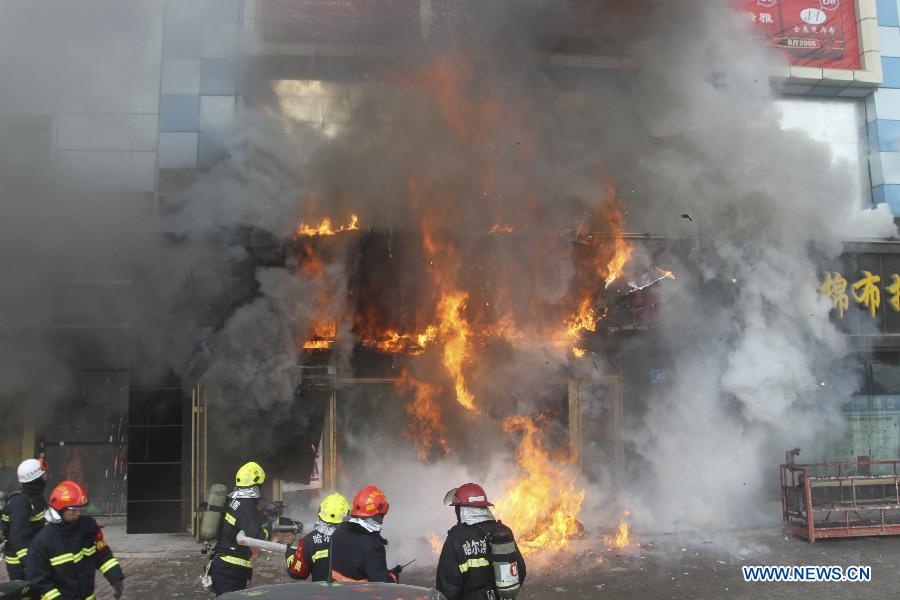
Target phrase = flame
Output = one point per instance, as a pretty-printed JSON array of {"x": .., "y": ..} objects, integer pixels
[
  {"x": 426, "y": 428},
  {"x": 615, "y": 266},
  {"x": 317, "y": 344},
  {"x": 325, "y": 228},
  {"x": 584, "y": 320},
  {"x": 542, "y": 505},
  {"x": 664, "y": 273},
  {"x": 454, "y": 318},
  {"x": 622, "y": 535},
  {"x": 427, "y": 336},
  {"x": 322, "y": 335},
  {"x": 449, "y": 83},
  {"x": 435, "y": 542},
  {"x": 395, "y": 342},
  {"x": 455, "y": 331}
]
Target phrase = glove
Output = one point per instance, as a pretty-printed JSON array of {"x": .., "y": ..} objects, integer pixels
[
  {"x": 118, "y": 587},
  {"x": 397, "y": 570}
]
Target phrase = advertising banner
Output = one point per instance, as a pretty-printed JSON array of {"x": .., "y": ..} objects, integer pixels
[
  {"x": 360, "y": 22},
  {"x": 810, "y": 33},
  {"x": 814, "y": 33}
]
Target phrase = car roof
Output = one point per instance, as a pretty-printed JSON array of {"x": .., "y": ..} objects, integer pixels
[{"x": 308, "y": 590}]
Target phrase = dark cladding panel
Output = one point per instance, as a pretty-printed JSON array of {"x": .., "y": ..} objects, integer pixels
[
  {"x": 152, "y": 517},
  {"x": 155, "y": 467},
  {"x": 154, "y": 481}
]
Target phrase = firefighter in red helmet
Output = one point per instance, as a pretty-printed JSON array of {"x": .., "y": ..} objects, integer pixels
[
  {"x": 357, "y": 548},
  {"x": 480, "y": 559},
  {"x": 62, "y": 558}
]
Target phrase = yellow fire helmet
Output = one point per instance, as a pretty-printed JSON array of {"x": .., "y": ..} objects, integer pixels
[
  {"x": 250, "y": 474},
  {"x": 334, "y": 509}
]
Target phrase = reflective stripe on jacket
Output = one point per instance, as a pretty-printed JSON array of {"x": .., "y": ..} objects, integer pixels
[
  {"x": 464, "y": 569},
  {"x": 241, "y": 514},
  {"x": 311, "y": 557},
  {"x": 63, "y": 558},
  {"x": 23, "y": 518}
]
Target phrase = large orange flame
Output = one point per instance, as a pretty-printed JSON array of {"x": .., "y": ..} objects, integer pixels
[
  {"x": 458, "y": 319},
  {"x": 542, "y": 505},
  {"x": 426, "y": 429}
]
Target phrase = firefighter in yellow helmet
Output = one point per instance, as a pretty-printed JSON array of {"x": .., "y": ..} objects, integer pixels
[
  {"x": 311, "y": 556},
  {"x": 231, "y": 568}
]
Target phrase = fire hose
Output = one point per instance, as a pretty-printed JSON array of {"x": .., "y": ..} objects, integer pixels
[{"x": 250, "y": 542}]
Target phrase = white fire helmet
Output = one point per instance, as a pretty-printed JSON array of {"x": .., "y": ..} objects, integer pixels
[{"x": 29, "y": 470}]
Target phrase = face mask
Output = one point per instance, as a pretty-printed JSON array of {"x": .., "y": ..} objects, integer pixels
[
  {"x": 250, "y": 492},
  {"x": 325, "y": 528},
  {"x": 370, "y": 525},
  {"x": 470, "y": 515},
  {"x": 36, "y": 487}
]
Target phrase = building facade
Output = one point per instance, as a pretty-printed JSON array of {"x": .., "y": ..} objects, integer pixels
[{"x": 134, "y": 129}]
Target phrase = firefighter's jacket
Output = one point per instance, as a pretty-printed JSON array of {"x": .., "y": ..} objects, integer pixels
[
  {"x": 241, "y": 514},
  {"x": 311, "y": 557},
  {"x": 359, "y": 555},
  {"x": 464, "y": 570},
  {"x": 23, "y": 518},
  {"x": 62, "y": 559}
]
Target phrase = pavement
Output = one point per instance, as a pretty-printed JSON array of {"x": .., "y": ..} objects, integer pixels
[{"x": 652, "y": 567}]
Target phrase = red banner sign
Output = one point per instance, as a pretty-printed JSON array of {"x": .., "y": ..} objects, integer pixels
[{"x": 811, "y": 33}]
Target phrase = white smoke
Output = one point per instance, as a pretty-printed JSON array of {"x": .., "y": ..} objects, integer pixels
[{"x": 754, "y": 351}]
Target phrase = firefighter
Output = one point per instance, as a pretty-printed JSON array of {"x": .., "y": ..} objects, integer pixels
[
  {"x": 231, "y": 568},
  {"x": 357, "y": 548},
  {"x": 23, "y": 516},
  {"x": 312, "y": 554},
  {"x": 465, "y": 569},
  {"x": 63, "y": 556}
]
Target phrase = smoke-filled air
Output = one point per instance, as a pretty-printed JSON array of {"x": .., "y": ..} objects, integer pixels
[{"x": 455, "y": 234}]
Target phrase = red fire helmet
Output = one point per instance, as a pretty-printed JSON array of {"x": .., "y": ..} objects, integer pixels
[
  {"x": 369, "y": 502},
  {"x": 468, "y": 494},
  {"x": 68, "y": 494}
]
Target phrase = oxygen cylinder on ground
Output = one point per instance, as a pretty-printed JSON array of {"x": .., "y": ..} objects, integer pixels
[
  {"x": 502, "y": 552},
  {"x": 212, "y": 516}
]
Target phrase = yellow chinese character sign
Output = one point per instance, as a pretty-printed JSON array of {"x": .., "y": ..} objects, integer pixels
[
  {"x": 894, "y": 290},
  {"x": 835, "y": 287},
  {"x": 866, "y": 292},
  {"x": 870, "y": 295}
]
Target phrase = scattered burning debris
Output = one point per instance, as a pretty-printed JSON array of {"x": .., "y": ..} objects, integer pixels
[{"x": 622, "y": 537}]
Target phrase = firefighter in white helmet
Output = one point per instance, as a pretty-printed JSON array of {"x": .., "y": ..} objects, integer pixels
[{"x": 23, "y": 516}]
